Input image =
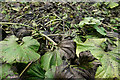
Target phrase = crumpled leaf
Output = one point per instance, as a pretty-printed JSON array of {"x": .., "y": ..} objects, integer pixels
[
  {"x": 5, "y": 71},
  {"x": 22, "y": 32},
  {"x": 35, "y": 72},
  {"x": 14, "y": 52},
  {"x": 110, "y": 60},
  {"x": 67, "y": 71},
  {"x": 67, "y": 48},
  {"x": 50, "y": 59},
  {"x": 85, "y": 57},
  {"x": 16, "y": 8}
]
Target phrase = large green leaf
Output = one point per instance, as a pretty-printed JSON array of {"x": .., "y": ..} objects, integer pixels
[
  {"x": 12, "y": 51},
  {"x": 110, "y": 60},
  {"x": 5, "y": 71},
  {"x": 50, "y": 59}
]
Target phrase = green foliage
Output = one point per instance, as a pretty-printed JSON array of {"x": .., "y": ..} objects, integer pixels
[
  {"x": 50, "y": 73},
  {"x": 5, "y": 71},
  {"x": 51, "y": 59},
  {"x": 111, "y": 4},
  {"x": 109, "y": 60},
  {"x": 14, "y": 52},
  {"x": 89, "y": 21},
  {"x": 4, "y": 12},
  {"x": 47, "y": 21},
  {"x": 35, "y": 72},
  {"x": 93, "y": 22},
  {"x": 101, "y": 30}
]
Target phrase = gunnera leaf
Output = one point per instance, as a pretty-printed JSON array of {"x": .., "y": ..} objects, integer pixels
[
  {"x": 67, "y": 48},
  {"x": 50, "y": 59},
  {"x": 5, "y": 71},
  {"x": 110, "y": 60},
  {"x": 14, "y": 52}
]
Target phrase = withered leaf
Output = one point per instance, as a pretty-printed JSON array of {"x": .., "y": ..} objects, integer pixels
[
  {"x": 67, "y": 49},
  {"x": 86, "y": 69},
  {"x": 65, "y": 71},
  {"x": 86, "y": 56}
]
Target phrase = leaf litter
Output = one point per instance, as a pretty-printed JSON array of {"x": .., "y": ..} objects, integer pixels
[{"x": 85, "y": 48}]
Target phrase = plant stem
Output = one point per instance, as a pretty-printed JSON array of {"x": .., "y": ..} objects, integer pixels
[
  {"x": 32, "y": 28},
  {"x": 109, "y": 26},
  {"x": 25, "y": 69},
  {"x": 48, "y": 38},
  {"x": 14, "y": 24},
  {"x": 52, "y": 21},
  {"x": 55, "y": 34},
  {"x": 56, "y": 15}
]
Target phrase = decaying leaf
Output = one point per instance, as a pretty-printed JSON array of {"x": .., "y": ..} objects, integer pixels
[
  {"x": 86, "y": 69},
  {"x": 22, "y": 32},
  {"x": 86, "y": 56},
  {"x": 67, "y": 49},
  {"x": 66, "y": 71},
  {"x": 110, "y": 60}
]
